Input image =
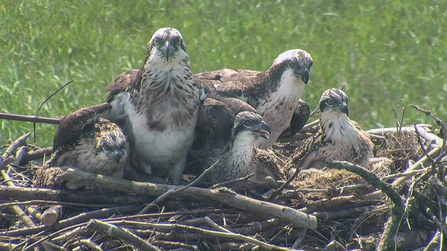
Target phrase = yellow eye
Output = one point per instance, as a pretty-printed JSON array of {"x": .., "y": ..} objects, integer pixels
[
  {"x": 156, "y": 41},
  {"x": 329, "y": 101},
  {"x": 179, "y": 41}
]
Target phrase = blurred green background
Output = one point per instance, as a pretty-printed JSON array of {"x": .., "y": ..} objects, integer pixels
[{"x": 381, "y": 52}]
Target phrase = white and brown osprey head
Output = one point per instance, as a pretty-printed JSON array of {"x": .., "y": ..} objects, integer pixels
[
  {"x": 241, "y": 157},
  {"x": 275, "y": 93},
  {"x": 339, "y": 138},
  {"x": 86, "y": 142},
  {"x": 160, "y": 105}
]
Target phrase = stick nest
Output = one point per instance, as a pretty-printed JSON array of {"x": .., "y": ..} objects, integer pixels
[{"x": 368, "y": 208}]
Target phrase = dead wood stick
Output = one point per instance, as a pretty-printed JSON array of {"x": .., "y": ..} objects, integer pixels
[
  {"x": 419, "y": 164},
  {"x": 37, "y": 154},
  {"x": 387, "y": 241},
  {"x": 434, "y": 243},
  {"x": 228, "y": 235},
  {"x": 16, "y": 144},
  {"x": 47, "y": 202},
  {"x": 26, "y": 118},
  {"x": 17, "y": 209},
  {"x": 89, "y": 243},
  {"x": 177, "y": 189},
  {"x": 120, "y": 233},
  {"x": 27, "y": 193},
  {"x": 259, "y": 227},
  {"x": 83, "y": 217},
  {"x": 383, "y": 131},
  {"x": 430, "y": 114},
  {"x": 170, "y": 245},
  {"x": 225, "y": 196}
]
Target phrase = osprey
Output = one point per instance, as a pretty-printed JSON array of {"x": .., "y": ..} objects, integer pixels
[
  {"x": 88, "y": 143},
  {"x": 240, "y": 157},
  {"x": 158, "y": 105},
  {"x": 275, "y": 93},
  {"x": 339, "y": 137}
]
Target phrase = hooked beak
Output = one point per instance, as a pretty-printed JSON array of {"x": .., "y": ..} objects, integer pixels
[
  {"x": 168, "y": 50},
  {"x": 263, "y": 130},
  {"x": 304, "y": 74},
  {"x": 117, "y": 154},
  {"x": 344, "y": 108}
]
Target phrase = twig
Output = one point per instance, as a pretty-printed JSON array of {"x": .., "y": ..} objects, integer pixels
[
  {"x": 225, "y": 196},
  {"x": 387, "y": 241},
  {"x": 34, "y": 119},
  {"x": 120, "y": 233},
  {"x": 17, "y": 209},
  {"x": 36, "y": 154},
  {"x": 16, "y": 144},
  {"x": 177, "y": 189},
  {"x": 47, "y": 202},
  {"x": 433, "y": 245},
  {"x": 231, "y": 182},
  {"x": 430, "y": 114},
  {"x": 421, "y": 144},
  {"x": 51, "y": 215},
  {"x": 83, "y": 217},
  {"x": 229, "y": 235},
  {"x": 214, "y": 225},
  {"x": 370, "y": 178},
  {"x": 89, "y": 243},
  {"x": 27, "y": 193}
]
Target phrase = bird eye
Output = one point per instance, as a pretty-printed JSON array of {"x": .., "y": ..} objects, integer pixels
[
  {"x": 106, "y": 148},
  {"x": 248, "y": 123},
  {"x": 156, "y": 41},
  {"x": 179, "y": 41},
  {"x": 329, "y": 102}
]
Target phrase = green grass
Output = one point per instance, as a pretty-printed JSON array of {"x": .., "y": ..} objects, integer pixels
[{"x": 380, "y": 52}]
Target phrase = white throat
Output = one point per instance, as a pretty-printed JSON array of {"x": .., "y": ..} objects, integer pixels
[
  {"x": 242, "y": 150},
  {"x": 337, "y": 126}
]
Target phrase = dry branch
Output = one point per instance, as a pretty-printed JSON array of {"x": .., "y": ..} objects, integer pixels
[
  {"x": 225, "y": 196},
  {"x": 120, "y": 233},
  {"x": 34, "y": 119}
]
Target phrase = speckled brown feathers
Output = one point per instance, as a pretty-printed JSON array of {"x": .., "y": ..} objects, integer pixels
[
  {"x": 240, "y": 156},
  {"x": 100, "y": 147},
  {"x": 339, "y": 138},
  {"x": 275, "y": 93},
  {"x": 159, "y": 104},
  {"x": 72, "y": 125}
]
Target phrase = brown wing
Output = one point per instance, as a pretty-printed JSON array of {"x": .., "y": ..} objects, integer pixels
[
  {"x": 214, "y": 124},
  {"x": 267, "y": 165},
  {"x": 213, "y": 132},
  {"x": 73, "y": 124},
  {"x": 231, "y": 83},
  {"x": 299, "y": 119},
  {"x": 305, "y": 153},
  {"x": 126, "y": 80}
]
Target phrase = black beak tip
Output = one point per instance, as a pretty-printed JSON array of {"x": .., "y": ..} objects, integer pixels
[{"x": 345, "y": 109}]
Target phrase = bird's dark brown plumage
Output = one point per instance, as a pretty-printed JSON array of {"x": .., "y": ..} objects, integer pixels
[{"x": 275, "y": 93}]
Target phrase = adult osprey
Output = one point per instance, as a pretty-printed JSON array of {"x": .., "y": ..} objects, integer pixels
[
  {"x": 158, "y": 105},
  {"x": 275, "y": 93},
  {"x": 89, "y": 143},
  {"x": 339, "y": 137},
  {"x": 240, "y": 156}
]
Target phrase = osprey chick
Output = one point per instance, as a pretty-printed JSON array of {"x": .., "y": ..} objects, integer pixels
[
  {"x": 158, "y": 105},
  {"x": 240, "y": 156},
  {"x": 88, "y": 143},
  {"x": 339, "y": 138},
  {"x": 275, "y": 93}
]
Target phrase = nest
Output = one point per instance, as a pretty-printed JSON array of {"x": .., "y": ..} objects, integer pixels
[{"x": 341, "y": 207}]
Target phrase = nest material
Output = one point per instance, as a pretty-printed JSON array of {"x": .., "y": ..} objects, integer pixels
[{"x": 349, "y": 206}]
